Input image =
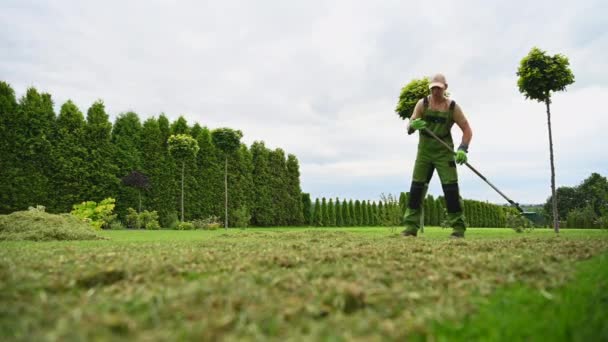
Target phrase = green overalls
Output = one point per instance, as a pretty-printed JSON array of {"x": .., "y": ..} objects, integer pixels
[{"x": 433, "y": 155}]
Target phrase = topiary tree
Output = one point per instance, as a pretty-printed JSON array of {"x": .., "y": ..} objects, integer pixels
[
  {"x": 182, "y": 147},
  {"x": 228, "y": 141},
  {"x": 410, "y": 95},
  {"x": 539, "y": 76}
]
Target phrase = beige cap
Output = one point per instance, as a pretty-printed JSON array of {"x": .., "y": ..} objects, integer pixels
[{"x": 438, "y": 81}]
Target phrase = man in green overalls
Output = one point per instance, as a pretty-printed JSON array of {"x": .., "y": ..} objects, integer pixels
[{"x": 437, "y": 113}]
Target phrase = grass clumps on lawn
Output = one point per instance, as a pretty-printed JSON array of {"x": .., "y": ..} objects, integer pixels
[{"x": 37, "y": 225}]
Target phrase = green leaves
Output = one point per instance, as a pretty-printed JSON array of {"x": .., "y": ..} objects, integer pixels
[
  {"x": 226, "y": 139},
  {"x": 411, "y": 93},
  {"x": 98, "y": 215},
  {"x": 182, "y": 147},
  {"x": 541, "y": 74}
]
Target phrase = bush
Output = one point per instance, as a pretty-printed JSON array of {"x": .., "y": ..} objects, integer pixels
[
  {"x": 37, "y": 225},
  {"x": 116, "y": 225},
  {"x": 132, "y": 218},
  {"x": 98, "y": 215},
  {"x": 149, "y": 219},
  {"x": 518, "y": 223},
  {"x": 242, "y": 217},
  {"x": 210, "y": 223},
  {"x": 145, "y": 219},
  {"x": 169, "y": 220},
  {"x": 154, "y": 225},
  {"x": 582, "y": 217},
  {"x": 602, "y": 222},
  {"x": 184, "y": 226}
]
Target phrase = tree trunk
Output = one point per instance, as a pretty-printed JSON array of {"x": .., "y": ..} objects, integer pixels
[
  {"x": 183, "y": 167},
  {"x": 226, "y": 193},
  {"x": 553, "y": 193},
  {"x": 139, "y": 194}
]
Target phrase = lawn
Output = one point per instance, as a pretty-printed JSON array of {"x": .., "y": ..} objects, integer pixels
[{"x": 307, "y": 283}]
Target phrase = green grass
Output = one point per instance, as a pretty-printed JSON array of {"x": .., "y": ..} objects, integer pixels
[
  {"x": 330, "y": 284},
  {"x": 574, "y": 312}
]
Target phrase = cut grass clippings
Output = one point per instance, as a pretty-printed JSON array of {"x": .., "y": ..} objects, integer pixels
[
  {"x": 273, "y": 284},
  {"x": 36, "y": 225}
]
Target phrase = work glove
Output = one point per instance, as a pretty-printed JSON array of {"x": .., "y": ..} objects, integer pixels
[
  {"x": 417, "y": 124},
  {"x": 461, "y": 155}
]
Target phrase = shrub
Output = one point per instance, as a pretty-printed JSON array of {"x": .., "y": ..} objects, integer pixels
[
  {"x": 602, "y": 222},
  {"x": 146, "y": 219},
  {"x": 242, "y": 217},
  {"x": 518, "y": 223},
  {"x": 184, "y": 226},
  {"x": 210, "y": 223},
  {"x": 169, "y": 220},
  {"x": 116, "y": 225},
  {"x": 132, "y": 218},
  {"x": 149, "y": 219},
  {"x": 37, "y": 225},
  {"x": 154, "y": 225},
  {"x": 98, "y": 215}
]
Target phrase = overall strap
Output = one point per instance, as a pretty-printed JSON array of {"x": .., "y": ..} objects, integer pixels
[{"x": 425, "y": 102}]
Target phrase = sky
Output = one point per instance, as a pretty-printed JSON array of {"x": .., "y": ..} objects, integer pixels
[{"x": 321, "y": 79}]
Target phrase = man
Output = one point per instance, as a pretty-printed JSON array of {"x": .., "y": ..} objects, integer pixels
[{"x": 437, "y": 113}]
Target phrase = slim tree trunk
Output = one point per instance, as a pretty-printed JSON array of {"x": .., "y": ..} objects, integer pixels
[
  {"x": 553, "y": 193},
  {"x": 183, "y": 167},
  {"x": 139, "y": 194},
  {"x": 226, "y": 193}
]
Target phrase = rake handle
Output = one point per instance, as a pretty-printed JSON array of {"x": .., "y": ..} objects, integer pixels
[{"x": 516, "y": 205}]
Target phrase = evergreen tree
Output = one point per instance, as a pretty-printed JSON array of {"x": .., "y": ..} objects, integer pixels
[
  {"x": 70, "y": 158},
  {"x": 9, "y": 167},
  {"x": 358, "y": 216},
  {"x": 29, "y": 170},
  {"x": 381, "y": 214},
  {"x": 339, "y": 214},
  {"x": 180, "y": 126},
  {"x": 294, "y": 192},
  {"x": 427, "y": 211},
  {"x": 324, "y": 213},
  {"x": 102, "y": 181},
  {"x": 263, "y": 207},
  {"x": 240, "y": 178},
  {"x": 370, "y": 214},
  {"x": 403, "y": 202},
  {"x": 158, "y": 167},
  {"x": 307, "y": 209},
  {"x": 278, "y": 182},
  {"x": 364, "y": 217},
  {"x": 441, "y": 211},
  {"x": 332, "y": 213},
  {"x": 352, "y": 214},
  {"x": 126, "y": 140},
  {"x": 318, "y": 214},
  {"x": 346, "y": 218},
  {"x": 210, "y": 177}
]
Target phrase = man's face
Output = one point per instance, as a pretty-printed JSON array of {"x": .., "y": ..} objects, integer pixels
[{"x": 437, "y": 91}]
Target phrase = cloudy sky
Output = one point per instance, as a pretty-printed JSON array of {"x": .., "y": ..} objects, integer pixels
[{"x": 320, "y": 79}]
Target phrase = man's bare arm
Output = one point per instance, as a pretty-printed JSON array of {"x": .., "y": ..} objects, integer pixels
[
  {"x": 418, "y": 109},
  {"x": 463, "y": 123}
]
